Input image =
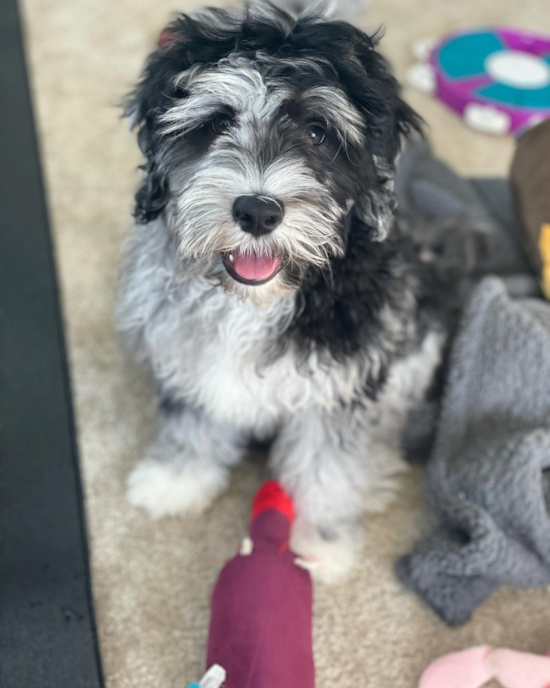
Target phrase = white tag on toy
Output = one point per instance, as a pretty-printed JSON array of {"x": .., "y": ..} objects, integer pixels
[
  {"x": 247, "y": 547},
  {"x": 214, "y": 677}
]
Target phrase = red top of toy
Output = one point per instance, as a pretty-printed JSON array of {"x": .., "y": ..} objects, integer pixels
[{"x": 272, "y": 496}]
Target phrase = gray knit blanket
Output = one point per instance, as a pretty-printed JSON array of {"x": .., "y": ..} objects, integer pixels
[
  {"x": 486, "y": 428},
  {"x": 488, "y": 478}
]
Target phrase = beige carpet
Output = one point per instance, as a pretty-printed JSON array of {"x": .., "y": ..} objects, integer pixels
[{"x": 152, "y": 580}]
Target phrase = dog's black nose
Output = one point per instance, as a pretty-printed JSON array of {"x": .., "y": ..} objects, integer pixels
[{"x": 257, "y": 215}]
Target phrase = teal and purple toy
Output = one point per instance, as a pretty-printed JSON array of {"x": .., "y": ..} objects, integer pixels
[{"x": 497, "y": 79}]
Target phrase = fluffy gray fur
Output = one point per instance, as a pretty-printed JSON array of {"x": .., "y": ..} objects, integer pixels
[
  {"x": 347, "y": 10},
  {"x": 207, "y": 346}
]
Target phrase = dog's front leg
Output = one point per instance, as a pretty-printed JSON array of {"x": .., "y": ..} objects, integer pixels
[
  {"x": 320, "y": 464},
  {"x": 187, "y": 466},
  {"x": 335, "y": 472}
]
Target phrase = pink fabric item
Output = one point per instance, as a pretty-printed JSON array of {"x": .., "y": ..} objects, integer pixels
[
  {"x": 465, "y": 669},
  {"x": 262, "y": 607},
  {"x": 477, "y": 666},
  {"x": 519, "y": 669}
]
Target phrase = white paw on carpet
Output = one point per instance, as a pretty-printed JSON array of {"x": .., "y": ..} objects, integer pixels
[
  {"x": 165, "y": 490},
  {"x": 330, "y": 560}
]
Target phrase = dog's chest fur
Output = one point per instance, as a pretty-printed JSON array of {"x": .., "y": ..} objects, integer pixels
[
  {"x": 218, "y": 353},
  {"x": 230, "y": 373}
]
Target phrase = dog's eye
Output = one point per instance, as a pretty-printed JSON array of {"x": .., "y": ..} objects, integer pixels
[
  {"x": 221, "y": 124},
  {"x": 316, "y": 133}
]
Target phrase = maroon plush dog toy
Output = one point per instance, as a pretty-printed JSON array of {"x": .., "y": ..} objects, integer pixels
[{"x": 261, "y": 625}]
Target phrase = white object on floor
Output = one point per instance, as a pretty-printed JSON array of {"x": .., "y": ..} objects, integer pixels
[
  {"x": 422, "y": 48},
  {"x": 422, "y": 77},
  {"x": 487, "y": 119},
  {"x": 214, "y": 677}
]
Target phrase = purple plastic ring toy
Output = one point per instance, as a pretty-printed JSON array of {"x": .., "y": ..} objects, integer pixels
[{"x": 497, "y": 79}]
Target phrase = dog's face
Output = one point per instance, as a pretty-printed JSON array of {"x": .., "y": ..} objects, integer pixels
[{"x": 263, "y": 135}]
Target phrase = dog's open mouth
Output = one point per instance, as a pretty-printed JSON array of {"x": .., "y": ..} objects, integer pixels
[{"x": 251, "y": 268}]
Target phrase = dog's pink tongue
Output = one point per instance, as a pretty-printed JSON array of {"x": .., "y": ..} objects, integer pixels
[{"x": 252, "y": 267}]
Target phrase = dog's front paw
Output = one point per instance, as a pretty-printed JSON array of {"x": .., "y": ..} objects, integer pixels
[
  {"x": 164, "y": 489},
  {"x": 329, "y": 555}
]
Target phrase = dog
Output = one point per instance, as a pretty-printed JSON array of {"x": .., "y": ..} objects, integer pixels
[{"x": 267, "y": 287}]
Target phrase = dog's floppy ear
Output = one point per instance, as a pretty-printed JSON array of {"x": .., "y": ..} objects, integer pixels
[
  {"x": 143, "y": 106},
  {"x": 388, "y": 121},
  {"x": 377, "y": 93},
  {"x": 398, "y": 124},
  {"x": 202, "y": 38},
  {"x": 180, "y": 45}
]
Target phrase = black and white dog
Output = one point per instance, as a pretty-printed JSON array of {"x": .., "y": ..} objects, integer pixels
[{"x": 266, "y": 286}]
